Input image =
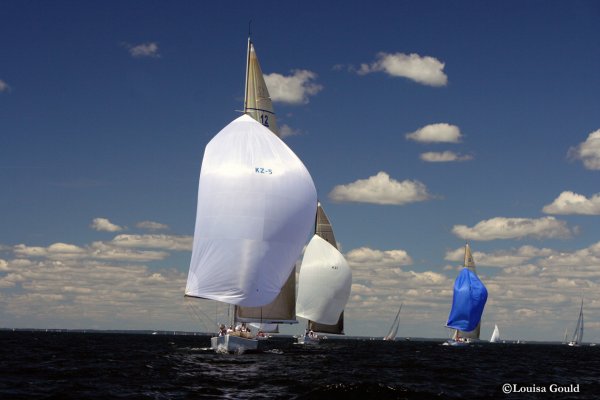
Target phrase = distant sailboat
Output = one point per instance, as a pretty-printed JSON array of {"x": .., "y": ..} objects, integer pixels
[
  {"x": 324, "y": 283},
  {"x": 255, "y": 206},
  {"x": 495, "y": 335},
  {"x": 468, "y": 302},
  {"x": 394, "y": 329},
  {"x": 578, "y": 333}
]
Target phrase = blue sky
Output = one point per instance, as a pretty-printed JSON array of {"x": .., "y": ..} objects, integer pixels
[{"x": 423, "y": 124}]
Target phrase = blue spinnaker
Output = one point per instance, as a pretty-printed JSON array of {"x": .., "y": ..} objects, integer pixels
[{"x": 469, "y": 299}]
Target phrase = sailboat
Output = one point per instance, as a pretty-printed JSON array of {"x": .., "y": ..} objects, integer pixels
[
  {"x": 468, "y": 302},
  {"x": 256, "y": 200},
  {"x": 258, "y": 105},
  {"x": 495, "y": 335},
  {"x": 324, "y": 283},
  {"x": 578, "y": 333},
  {"x": 394, "y": 329}
]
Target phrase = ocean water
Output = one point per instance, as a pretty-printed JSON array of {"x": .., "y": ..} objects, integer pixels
[{"x": 70, "y": 365}]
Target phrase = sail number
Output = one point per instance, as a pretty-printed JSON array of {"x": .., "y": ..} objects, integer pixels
[
  {"x": 260, "y": 170},
  {"x": 264, "y": 119}
]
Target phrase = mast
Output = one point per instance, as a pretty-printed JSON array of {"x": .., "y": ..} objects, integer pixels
[{"x": 247, "y": 71}]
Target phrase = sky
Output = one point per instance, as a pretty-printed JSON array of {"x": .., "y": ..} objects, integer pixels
[{"x": 424, "y": 124}]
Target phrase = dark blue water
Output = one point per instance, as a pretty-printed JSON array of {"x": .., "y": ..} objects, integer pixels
[{"x": 68, "y": 365}]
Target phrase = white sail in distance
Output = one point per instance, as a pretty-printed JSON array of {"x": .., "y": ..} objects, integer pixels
[
  {"x": 394, "y": 329},
  {"x": 256, "y": 204},
  {"x": 257, "y": 101},
  {"x": 495, "y": 335},
  {"x": 324, "y": 282}
]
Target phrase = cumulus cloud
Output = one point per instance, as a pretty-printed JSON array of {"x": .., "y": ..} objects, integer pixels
[
  {"x": 572, "y": 203},
  {"x": 588, "y": 152},
  {"x": 151, "y": 225},
  {"x": 103, "y": 224},
  {"x": 445, "y": 156},
  {"x": 286, "y": 131},
  {"x": 380, "y": 189},
  {"x": 425, "y": 70},
  {"x": 365, "y": 256},
  {"x": 436, "y": 133},
  {"x": 514, "y": 228},
  {"x": 4, "y": 86},
  {"x": 165, "y": 242},
  {"x": 293, "y": 89},
  {"x": 502, "y": 258},
  {"x": 95, "y": 251},
  {"x": 143, "y": 50}
]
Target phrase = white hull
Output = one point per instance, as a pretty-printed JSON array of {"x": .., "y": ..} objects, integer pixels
[
  {"x": 307, "y": 340},
  {"x": 456, "y": 343},
  {"x": 232, "y": 344},
  {"x": 573, "y": 344}
]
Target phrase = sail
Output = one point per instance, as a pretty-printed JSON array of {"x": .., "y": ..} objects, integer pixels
[
  {"x": 394, "y": 329},
  {"x": 324, "y": 282},
  {"x": 323, "y": 227},
  {"x": 337, "y": 328},
  {"x": 495, "y": 335},
  {"x": 267, "y": 328},
  {"x": 578, "y": 333},
  {"x": 257, "y": 101},
  {"x": 282, "y": 310},
  {"x": 469, "y": 262},
  {"x": 256, "y": 203},
  {"x": 468, "y": 302}
]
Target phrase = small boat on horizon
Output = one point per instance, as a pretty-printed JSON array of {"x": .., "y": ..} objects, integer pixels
[
  {"x": 394, "y": 328},
  {"x": 578, "y": 333}
]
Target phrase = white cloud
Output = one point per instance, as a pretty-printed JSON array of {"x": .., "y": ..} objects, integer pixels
[
  {"x": 95, "y": 251},
  {"x": 514, "y": 228},
  {"x": 103, "y": 224},
  {"x": 426, "y": 70},
  {"x": 588, "y": 151},
  {"x": 294, "y": 89},
  {"x": 436, "y": 133},
  {"x": 166, "y": 242},
  {"x": 151, "y": 225},
  {"x": 366, "y": 257},
  {"x": 149, "y": 49},
  {"x": 4, "y": 86},
  {"x": 445, "y": 156},
  {"x": 505, "y": 258},
  {"x": 380, "y": 189},
  {"x": 286, "y": 131},
  {"x": 572, "y": 203}
]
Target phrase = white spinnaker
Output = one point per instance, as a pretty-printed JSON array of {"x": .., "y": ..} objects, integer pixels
[
  {"x": 324, "y": 283},
  {"x": 256, "y": 207}
]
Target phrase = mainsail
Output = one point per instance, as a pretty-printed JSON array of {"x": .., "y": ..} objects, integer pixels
[
  {"x": 495, "y": 335},
  {"x": 255, "y": 201},
  {"x": 578, "y": 333},
  {"x": 257, "y": 102},
  {"x": 394, "y": 329},
  {"x": 470, "y": 295},
  {"x": 325, "y": 280}
]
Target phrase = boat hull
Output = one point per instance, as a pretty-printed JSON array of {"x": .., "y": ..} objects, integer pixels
[
  {"x": 307, "y": 340},
  {"x": 456, "y": 343},
  {"x": 233, "y": 344}
]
